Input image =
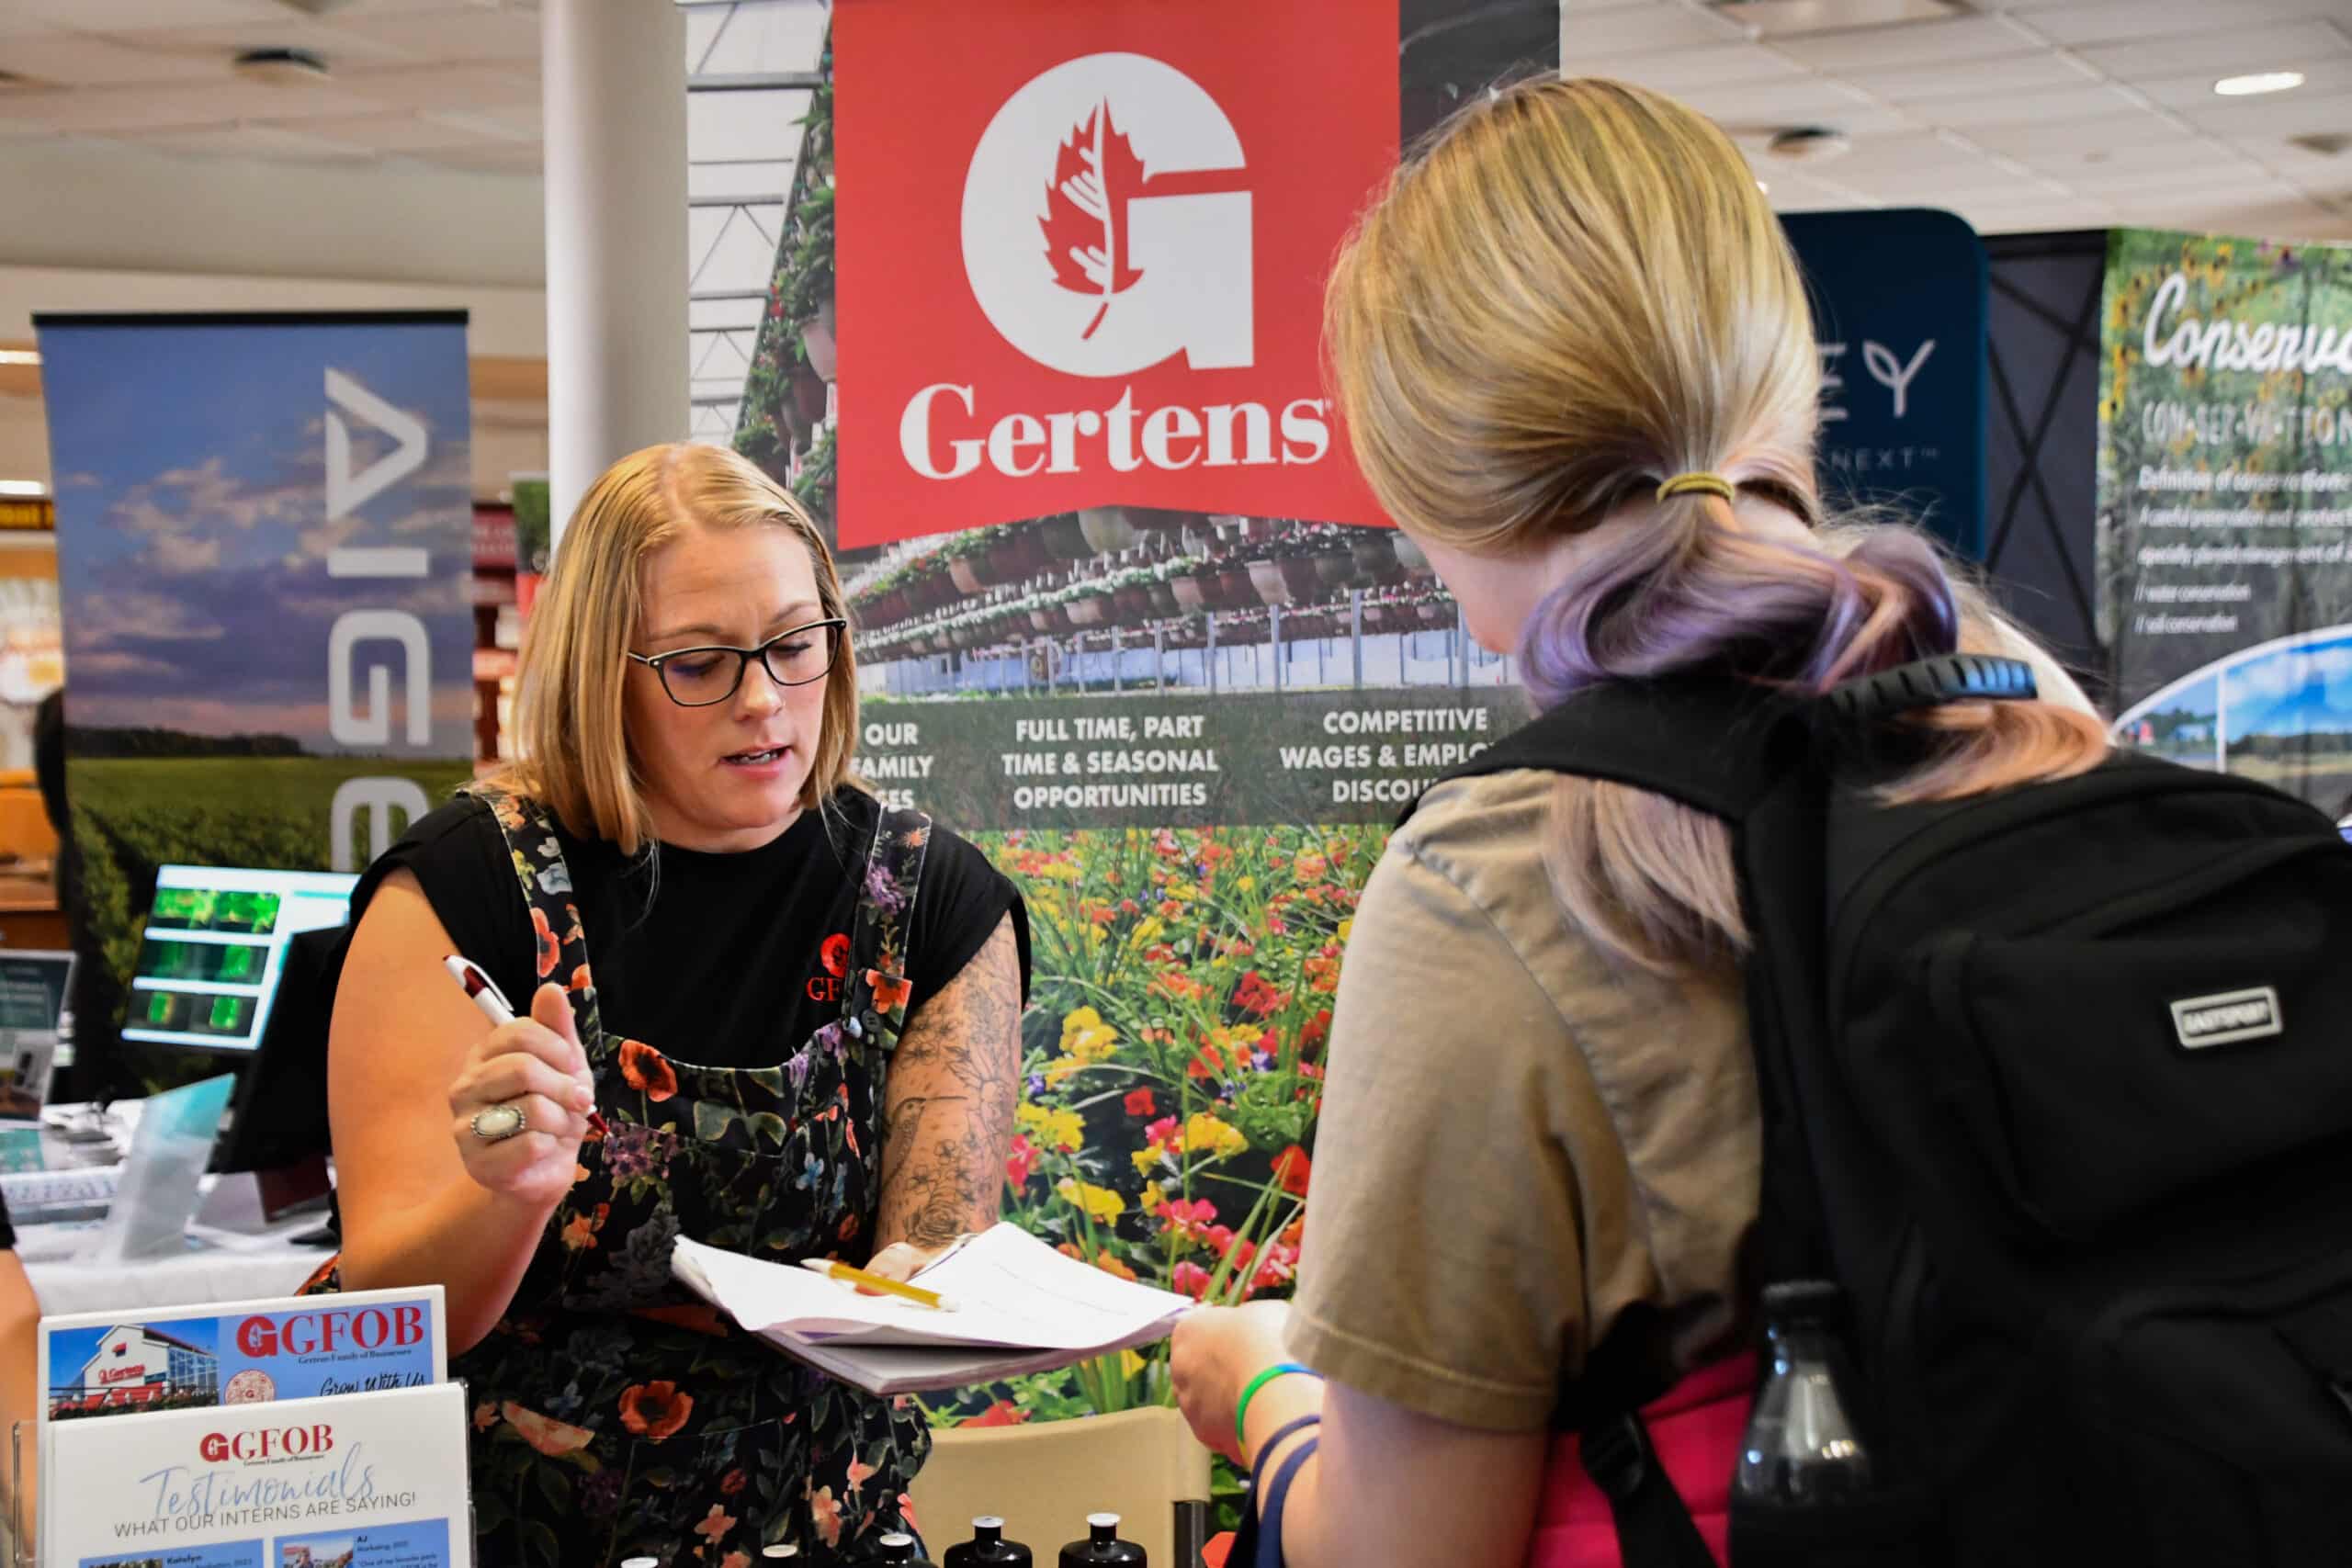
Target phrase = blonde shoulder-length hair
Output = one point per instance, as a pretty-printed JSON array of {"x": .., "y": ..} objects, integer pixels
[{"x": 568, "y": 713}]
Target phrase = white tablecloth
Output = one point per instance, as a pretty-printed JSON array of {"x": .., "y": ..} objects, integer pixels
[
  {"x": 229, "y": 1267},
  {"x": 226, "y": 1266}
]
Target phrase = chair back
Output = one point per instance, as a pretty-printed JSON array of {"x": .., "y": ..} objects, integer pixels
[{"x": 1043, "y": 1479}]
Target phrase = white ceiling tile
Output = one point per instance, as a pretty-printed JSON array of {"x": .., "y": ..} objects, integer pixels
[
  {"x": 1758, "y": 110},
  {"x": 2219, "y": 178},
  {"x": 503, "y": 158},
  {"x": 1928, "y": 83},
  {"x": 2220, "y": 51},
  {"x": 393, "y": 132},
  {"x": 283, "y": 29},
  {"x": 2088, "y": 100},
  {"x": 2327, "y": 170},
  {"x": 445, "y": 32},
  {"x": 2124, "y": 136},
  {"x": 85, "y": 59},
  {"x": 251, "y": 141},
  {"x": 447, "y": 86},
  {"x": 120, "y": 16},
  {"x": 521, "y": 124},
  {"x": 1895, "y": 49},
  {"x": 2133, "y": 21},
  {"x": 1694, "y": 69},
  {"x": 132, "y": 108},
  {"x": 1608, "y": 30},
  {"x": 2269, "y": 218},
  {"x": 1786, "y": 19},
  {"x": 2282, "y": 114},
  {"x": 2137, "y": 161},
  {"x": 2322, "y": 78},
  {"x": 1914, "y": 156}
]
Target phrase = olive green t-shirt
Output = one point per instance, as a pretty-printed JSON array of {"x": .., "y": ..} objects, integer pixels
[{"x": 1519, "y": 1136}]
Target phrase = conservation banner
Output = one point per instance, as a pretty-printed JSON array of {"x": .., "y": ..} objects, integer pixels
[
  {"x": 1126, "y": 616},
  {"x": 2225, "y": 505},
  {"x": 264, "y": 540}
]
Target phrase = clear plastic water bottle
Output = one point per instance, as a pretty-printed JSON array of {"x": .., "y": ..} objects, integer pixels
[{"x": 1804, "y": 1448}]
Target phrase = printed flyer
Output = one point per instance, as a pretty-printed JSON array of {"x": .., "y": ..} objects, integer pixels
[
  {"x": 367, "y": 1481},
  {"x": 241, "y": 1353}
]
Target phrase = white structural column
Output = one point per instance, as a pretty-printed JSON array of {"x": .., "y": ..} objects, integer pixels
[{"x": 614, "y": 84}]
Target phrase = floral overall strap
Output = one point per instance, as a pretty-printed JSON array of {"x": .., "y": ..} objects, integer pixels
[
  {"x": 560, "y": 947},
  {"x": 874, "y": 1009}
]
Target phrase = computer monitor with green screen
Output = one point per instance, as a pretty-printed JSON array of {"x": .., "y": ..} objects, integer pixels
[
  {"x": 214, "y": 947},
  {"x": 33, "y": 989}
]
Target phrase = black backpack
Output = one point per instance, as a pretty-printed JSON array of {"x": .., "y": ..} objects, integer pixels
[{"x": 2057, "y": 1086}]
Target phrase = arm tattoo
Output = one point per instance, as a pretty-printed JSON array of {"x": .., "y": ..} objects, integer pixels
[{"x": 953, "y": 1082}]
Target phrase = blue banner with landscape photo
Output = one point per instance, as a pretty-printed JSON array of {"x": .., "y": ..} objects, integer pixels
[{"x": 265, "y": 537}]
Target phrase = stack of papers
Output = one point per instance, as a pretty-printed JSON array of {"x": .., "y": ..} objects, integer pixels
[{"x": 1020, "y": 1306}]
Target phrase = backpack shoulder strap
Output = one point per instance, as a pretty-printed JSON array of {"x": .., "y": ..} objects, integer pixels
[{"x": 1716, "y": 746}]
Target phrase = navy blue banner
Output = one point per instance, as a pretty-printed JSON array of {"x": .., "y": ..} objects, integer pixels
[{"x": 1900, "y": 304}]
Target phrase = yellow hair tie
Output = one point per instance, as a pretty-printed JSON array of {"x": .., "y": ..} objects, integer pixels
[{"x": 1682, "y": 484}]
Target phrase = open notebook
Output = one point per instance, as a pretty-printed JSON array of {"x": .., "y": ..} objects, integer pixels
[{"x": 1020, "y": 1308}]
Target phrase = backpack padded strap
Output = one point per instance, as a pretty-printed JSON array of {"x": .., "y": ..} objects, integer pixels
[{"x": 1716, "y": 746}]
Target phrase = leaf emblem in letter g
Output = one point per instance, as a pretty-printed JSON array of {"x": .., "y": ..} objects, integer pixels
[{"x": 1095, "y": 175}]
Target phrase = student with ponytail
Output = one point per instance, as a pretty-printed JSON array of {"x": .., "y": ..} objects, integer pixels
[{"x": 1577, "y": 365}]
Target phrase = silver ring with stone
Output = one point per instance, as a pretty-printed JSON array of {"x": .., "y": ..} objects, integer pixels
[{"x": 496, "y": 1123}]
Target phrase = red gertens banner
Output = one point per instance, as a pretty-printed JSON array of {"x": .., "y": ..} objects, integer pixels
[{"x": 1082, "y": 254}]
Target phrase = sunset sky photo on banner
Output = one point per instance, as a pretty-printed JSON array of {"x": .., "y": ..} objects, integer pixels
[{"x": 193, "y": 516}]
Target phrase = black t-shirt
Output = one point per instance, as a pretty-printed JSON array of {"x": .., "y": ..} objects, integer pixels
[{"x": 725, "y": 966}]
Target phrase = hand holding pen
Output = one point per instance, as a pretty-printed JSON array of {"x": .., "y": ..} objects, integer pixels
[{"x": 525, "y": 1098}]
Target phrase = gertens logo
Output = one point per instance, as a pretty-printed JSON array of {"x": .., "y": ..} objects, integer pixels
[
  {"x": 1084, "y": 248},
  {"x": 2232, "y": 1016},
  {"x": 1084, "y": 275}
]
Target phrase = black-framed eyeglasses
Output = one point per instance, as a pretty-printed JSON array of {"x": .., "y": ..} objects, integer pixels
[{"x": 697, "y": 677}]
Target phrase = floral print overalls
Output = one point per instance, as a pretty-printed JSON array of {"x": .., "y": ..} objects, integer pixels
[{"x": 614, "y": 1415}]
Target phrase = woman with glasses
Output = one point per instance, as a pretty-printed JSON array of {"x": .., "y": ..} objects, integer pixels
[{"x": 798, "y": 1037}]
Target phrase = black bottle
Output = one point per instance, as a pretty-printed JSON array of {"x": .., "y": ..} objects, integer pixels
[
  {"x": 895, "y": 1548},
  {"x": 1102, "y": 1548},
  {"x": 988, "y": 1549}
]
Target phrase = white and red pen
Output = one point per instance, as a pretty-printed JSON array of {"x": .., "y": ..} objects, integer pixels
[{"x": 495, "y": 1008}]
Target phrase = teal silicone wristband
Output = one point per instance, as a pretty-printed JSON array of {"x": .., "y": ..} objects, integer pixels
[{"x": 1242, "y": 1410}]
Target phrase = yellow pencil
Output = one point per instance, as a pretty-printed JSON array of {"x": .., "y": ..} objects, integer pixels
[{"x": 915, "y": 1293}]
